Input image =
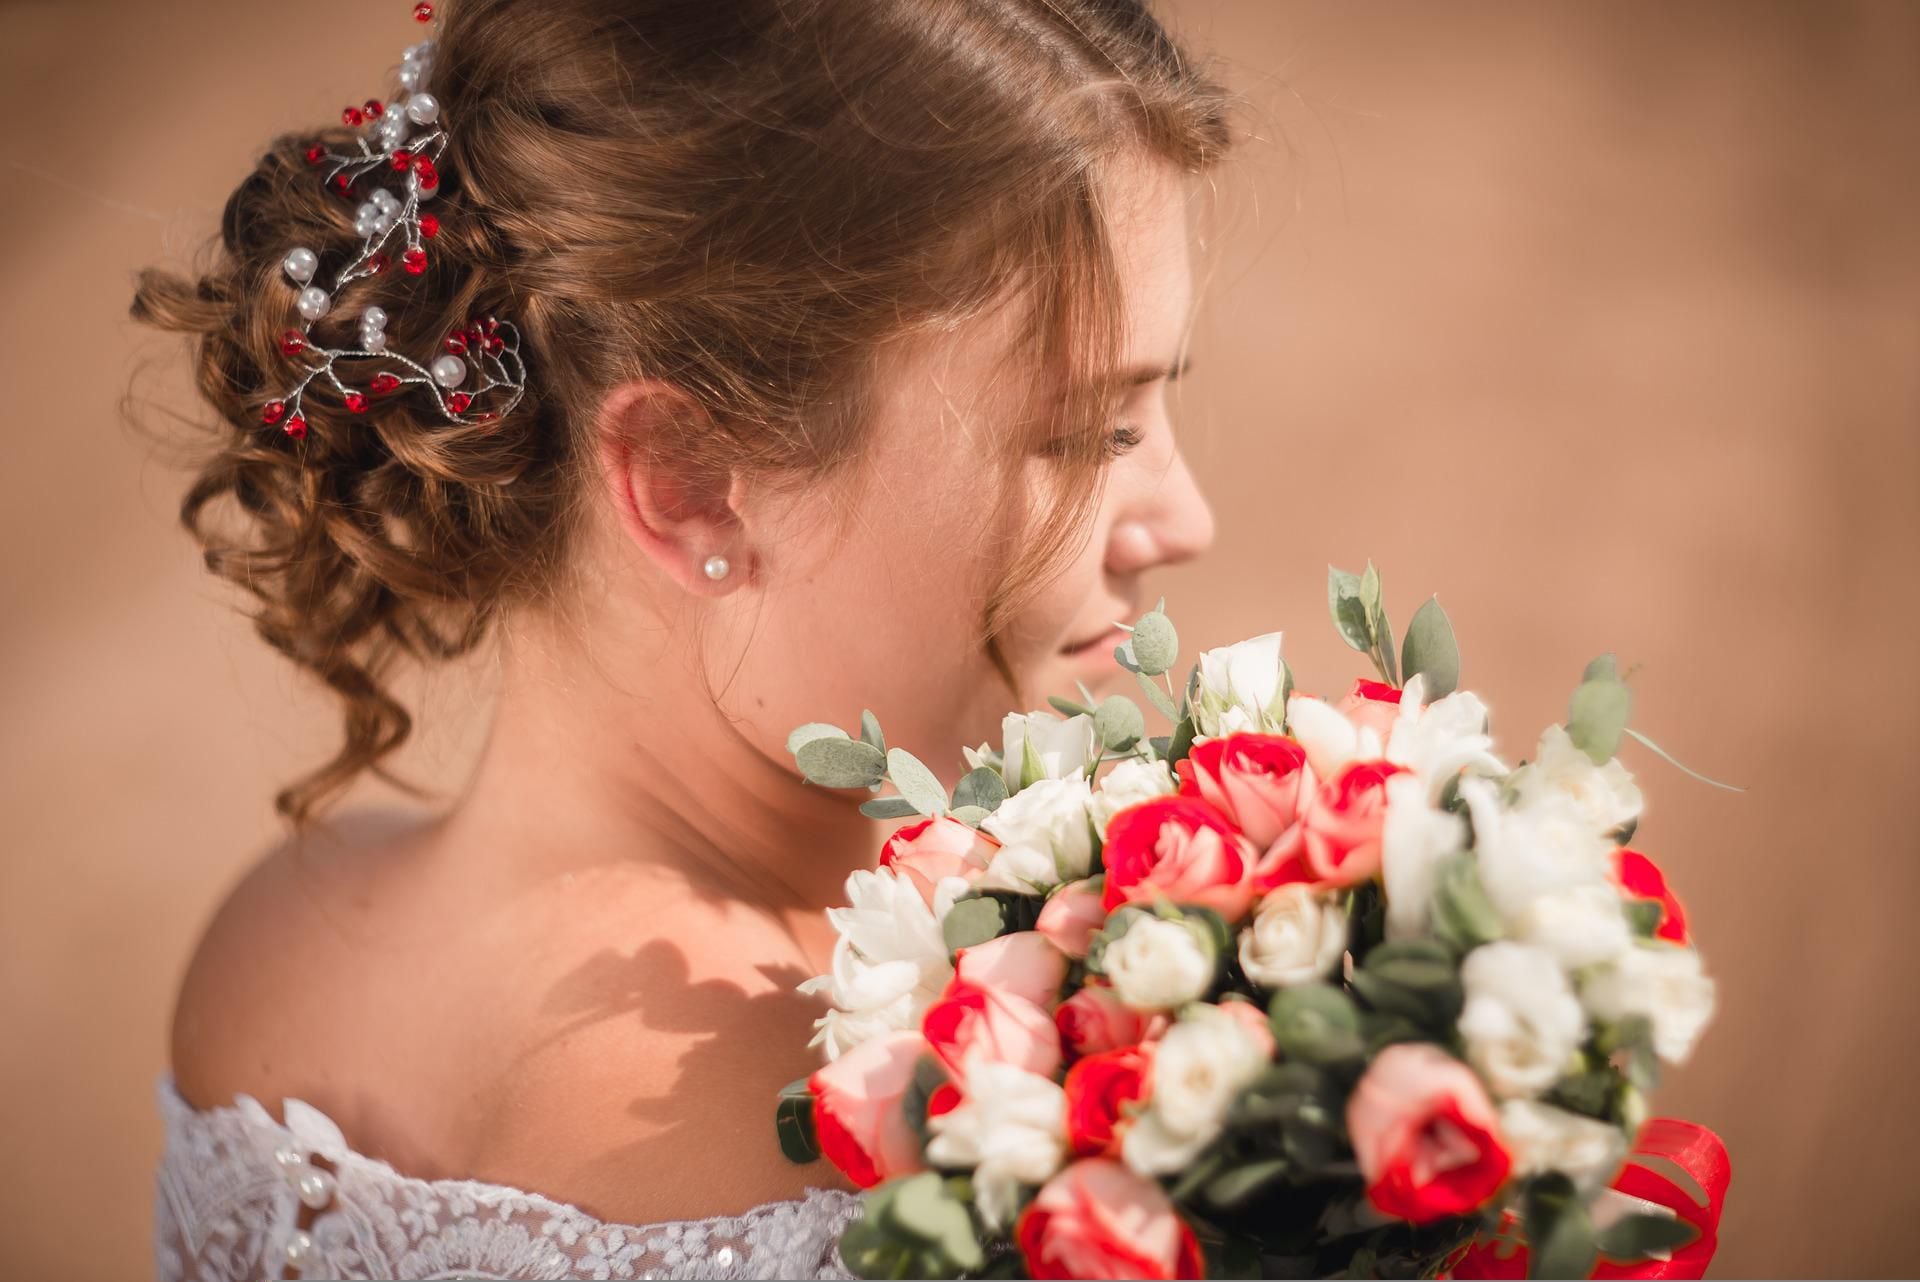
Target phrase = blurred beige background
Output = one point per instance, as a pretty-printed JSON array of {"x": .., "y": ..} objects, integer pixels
[{"x": 1600, "y": 320}]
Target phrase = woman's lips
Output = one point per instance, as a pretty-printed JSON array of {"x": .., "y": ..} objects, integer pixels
[{"x": 1100, "y": 643}]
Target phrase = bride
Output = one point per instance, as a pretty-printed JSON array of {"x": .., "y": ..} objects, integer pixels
[{"x": 847, "y": 330}]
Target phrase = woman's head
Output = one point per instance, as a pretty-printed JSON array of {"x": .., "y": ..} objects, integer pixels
[{"x": 850, "y": 292}]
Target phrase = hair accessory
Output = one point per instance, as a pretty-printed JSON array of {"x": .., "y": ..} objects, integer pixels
[{"x": 407, "y": 138}]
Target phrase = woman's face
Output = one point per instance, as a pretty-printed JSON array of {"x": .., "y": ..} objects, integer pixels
[{"x": 870, "y": 592}]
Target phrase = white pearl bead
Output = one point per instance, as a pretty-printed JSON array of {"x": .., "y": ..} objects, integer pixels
[
  {"x": 374, "y": 318},
  {"x": 423, "y": 108},
  {"x": 313, "y": 302},
  {"x": 374, "y": 340},
  {"x": 315, "y": 1188},
  {"x": 288, "y": 1158},
  {"x": 716, "y": 568},
  {"x": 449, "y": 371},
  {"x": 301, "y": 263},
  {"x": 385, "y": 199},
  {"x": 424, "y": 193},
  {"x": 409, "y": 75},
  {"x": 366, "y": 211}
]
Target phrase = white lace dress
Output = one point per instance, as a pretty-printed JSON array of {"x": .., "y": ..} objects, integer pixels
[{"x": 241, "y": 1196}]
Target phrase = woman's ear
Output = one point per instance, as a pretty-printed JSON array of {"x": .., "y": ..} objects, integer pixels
[{"x": 683, "y": 513}]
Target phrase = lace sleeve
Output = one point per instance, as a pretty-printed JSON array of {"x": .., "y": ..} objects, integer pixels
[{"x": 241, "y": 1196}]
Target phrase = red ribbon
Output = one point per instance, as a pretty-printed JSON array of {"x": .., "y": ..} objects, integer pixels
[{"x": 1694, "y": 1149}]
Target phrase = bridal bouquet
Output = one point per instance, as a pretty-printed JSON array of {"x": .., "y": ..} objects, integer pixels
[{"x": 1303, "y": 987}]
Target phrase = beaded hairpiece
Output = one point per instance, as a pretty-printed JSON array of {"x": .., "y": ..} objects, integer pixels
[{"x": 404, "y": 135}]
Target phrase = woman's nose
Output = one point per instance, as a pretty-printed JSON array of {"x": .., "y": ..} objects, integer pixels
[{"x": 1170, "y": 523}]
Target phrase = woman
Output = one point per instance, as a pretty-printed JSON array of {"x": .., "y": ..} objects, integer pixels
[{"x": 848, "y": 327}]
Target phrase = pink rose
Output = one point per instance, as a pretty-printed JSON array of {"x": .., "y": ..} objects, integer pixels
[
  {"x": 926, "y": 850},
  {"x": 1371, "y": 705},
  {"x": 1254, "y": 1020},
  {"x": 969, "y": 1019},
  {"x": 857, "y": 1111},
  {"x": 1071, "y": 917},
  {"x": 1097, "y": 1219},
  {"x": 1426, "y": 1135},
  {"x": 1025, "y": 963},
  {"x": 1337, "y": 838},
  {"x": 1182, "y": 849},
  {"x": 1257, "y": 780},
  {"x": 1094, "y": 1020}
]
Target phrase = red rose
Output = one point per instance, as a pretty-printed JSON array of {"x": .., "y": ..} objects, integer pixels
[
  {"x": 1094, "y": 1020},
  {"x": 1182, "y": 849},
  {"x": 1641, "y": 878},
  {"x": 857, "y": 1112},
  {"x": 1426, "y": 1136},
  {"x": 1097, "y": 1219},
  {"x": 926, "y": 850},
  {"x": 1097, "y": 1088},
  {"x": 1371, "y": 704},
  {"x": 1337, "y": 839},
  {"x": 1259, "y": 781},
  {"x": 970, "y": 1019}
]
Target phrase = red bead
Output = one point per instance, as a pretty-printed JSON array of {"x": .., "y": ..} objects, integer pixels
[
  {"x": 423, "y": 12},
  {"x": 272, "y": 412},
  {"x": 357, "y": 402},
  {"x": 352, "y": 116},
  {"x": 374, "y": 109},
  {"x": 428, "y": 181},
  {"x": 415, "y": 261},
  {"x": 458, "y": 402},
  {"x": 292, "y": 342},
  {"x": 379, "y": 263},
  {"x": 429, "y": 225},
  {"x": 383, "y": 383},
  {"x": 401, "y": 159},
  {"x": 316, "y": 153},
  {"x": 496, "y": 344},
  {"x": 296, "y": 426},
  {"x": 343, "y": 184},
  {"x": 492, "y": 326},
  {"x": 456, "y": 345}
]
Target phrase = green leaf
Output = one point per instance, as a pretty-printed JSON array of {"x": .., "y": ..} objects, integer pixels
[
  {"x": 1463, "y": 916},
  {"x": 1632, "y": 1238},
  {"x": 1559, "y": 1233},
  {"x": 1160, "y": 699},
  {"x": 1644, "y": 916},
  {"x": 971, "y": 816},
  {"x": 1604, "y": 668},
  {"x": 1597, "y": 716},
  {"x": 973, "y": 921},
  {"x": 870, "y": 730},
  {"x": 841, "y": 762},
  {"x": 1067, "y": 707},
  {"x": 1431, "y": 651},
  {"x": 1123, "y": 655},
  {"x": 888, "y": 808},
  {"x": 1118, "y": 723},
  {"x": 811, "y": 731},
  {"x": 923, "y": 1209},
  {"x": 793, "y": 1121},
  {"x": 1348, "y": 610},
  {"x": 1316, "y": 1024},
  {"x": 1155, "y": 643},
  {"x": 982, "y": 787},
  {"x": 1182, "y": 744},
  {"x": 915, "y": 782},
  {"x": 1670, "y": 760},
  {"x": 1242, "y": 1184},
  {"x": 1032, "y": 769}
]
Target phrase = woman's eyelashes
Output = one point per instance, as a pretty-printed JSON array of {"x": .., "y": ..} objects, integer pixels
[{"x": 1123, "y": 437}]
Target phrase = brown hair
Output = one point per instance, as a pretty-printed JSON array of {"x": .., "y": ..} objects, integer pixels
[{"x": 744, "y": 198}]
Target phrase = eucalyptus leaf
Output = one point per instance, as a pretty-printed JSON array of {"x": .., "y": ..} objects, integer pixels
[
  {"x": 1118, "y": 723},
  {"x": 973, "y": 921},
  {"x": 1241, "y": 1184},
  {"x": 1604, "y": 668},
  {"x": 1155, "y": 643},
  {"x": 924, "y": 1210},
  {"x": 793, "y": 1121},
  {"x": 915, "y": 782},
  {"x": 1316, "y": 1024},
  {"x": 888, "y": 808},
  {"x": 1160, "y": 699},
  {"x": 841, "y": 762},
  {"x": 1067, "y": 707},
  {"x": 1559, "y": 1232},
  {"x": 1123, "y": 655},
  {"x": 1348, "y": 610},
  {"x": 971, "y": 816},
  {"x": 1431, "y": 651},
  {"x": 981, "y": 787},
  {"x": 812, "y": 730},
  {"x": 1183, "y": 736},
  {"x": 1665, "y": 756},
  {"x": 870, "y": 730},
  {"x": 1633, "y": 1238},
  {"x": 1463, "y": 916},
  {"x": 1597, "y": 716}
]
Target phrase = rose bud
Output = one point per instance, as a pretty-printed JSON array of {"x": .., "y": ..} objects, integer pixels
[
  {"x": 1371, "y": 704},
  {"x": 1098, "y": 1087},
  {"x": 1258, "y": 781},
  {"x": 929, "y": 850},
  {"x": 1182, "y": 849},
  {"x": 1071, "y": 916},
  {"x": 857, "y": 1111},
  {"x": 1095, "y": 1019},
  {"x": 1426, "y": 1136},
  {"x": 1024, "y": 963},
  {"x": 1097, "y": 1219},
  {"x": 1005, "y": 1027}
]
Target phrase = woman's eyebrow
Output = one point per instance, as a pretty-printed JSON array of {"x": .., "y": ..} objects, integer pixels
[{"x": 1148, "y": 373}]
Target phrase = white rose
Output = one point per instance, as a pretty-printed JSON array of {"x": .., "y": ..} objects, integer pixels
[
  {"x": 1200, "y": 1064},
  {"x": 1542, "y": 1138},
  {"x": 1581, "y": 925},
  {"x": 889, "y": 963},
  {"x": 1443, "y": 738},
  {"x": 1415, "y": 839},
  {"x": 1665, "y": 984},
  {"x": 1538, "y": 848},
  {"x": 1296, "y": 937},
  {"x": 1009, "y": 1129},
  {"x": 1060, "y": 747},
  {"x": 1240, "y": 687},
  {"x": 1607, "y": 794},
  {"x": 1158, "y": 964},
  {"x": 1521, "y": 1021},
  {"x": 1128, "y": 784},
  {"x": 1044, "y": 837}
]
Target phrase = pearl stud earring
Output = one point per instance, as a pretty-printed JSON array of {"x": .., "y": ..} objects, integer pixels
[{"x": 716, "y": 567}]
